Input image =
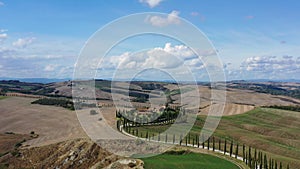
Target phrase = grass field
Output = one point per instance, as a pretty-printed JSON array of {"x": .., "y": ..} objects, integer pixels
[
  {"x": 2, "y": 97},
  {"x": 273, "y": 131},
  {"x": 190, "y": 160}
]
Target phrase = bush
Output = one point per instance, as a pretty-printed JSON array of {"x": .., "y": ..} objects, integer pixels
[{"x": 93, "y": 112}]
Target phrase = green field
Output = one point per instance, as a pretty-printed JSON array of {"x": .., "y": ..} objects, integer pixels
[
  {"x": 273, "y": 131},
  {"x": 3, "y": 97},
  {"x": 190, "y": 160}
]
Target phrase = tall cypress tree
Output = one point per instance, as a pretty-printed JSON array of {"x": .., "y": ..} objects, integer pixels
[
  {"x": 208, "y": 143},
  {"x": 255, "y": 154},
  {"x": 213, "y": 143},
  {"x": 244, "y": 153},
  {"x": 225, "y": 145},
  {"x": 186, "y": 140},
  {"x": 231, "y": 148},
  {"x": 249, "y": 155},
  {"x": 203, "y": 142},
  {"x": 237, "y": 150},
  {"x": 265, "y": 162},
  {"x": 173, "y": 138},
  {"x": 158, "y": 137},
  {"x": 166, "y": 137}
]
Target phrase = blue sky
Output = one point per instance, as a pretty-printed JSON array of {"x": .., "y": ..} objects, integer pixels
[{"x": 254, "y": 39}]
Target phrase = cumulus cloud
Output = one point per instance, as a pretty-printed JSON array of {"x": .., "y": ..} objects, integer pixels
[
  {"x": 6, "y": 52},
  {"x": 50, "y": 68},
  {"x": 178, "y": 50},
  {"x": 151, "y": 3},
  {"x": 166, "y": 57},
  {"x": 1, "y": 3},
  {"x": 271, "y": 64},
  {"x": 23, "y": 42},
  {"x": 159, "y": 21},
  {"x": 3, "y": 36}
]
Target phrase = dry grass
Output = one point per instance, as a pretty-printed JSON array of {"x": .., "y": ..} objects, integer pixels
[{"x": 53, "y": 124}]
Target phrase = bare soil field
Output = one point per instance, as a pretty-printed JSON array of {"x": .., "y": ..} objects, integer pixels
[{"x": 52, "y": 124}]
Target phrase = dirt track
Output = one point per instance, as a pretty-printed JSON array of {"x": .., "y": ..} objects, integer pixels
[{"x": 53, "y": 124}]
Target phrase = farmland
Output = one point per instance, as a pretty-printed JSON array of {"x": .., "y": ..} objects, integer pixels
[
  {"x": 188, "y": 160},
  {"x": 273, "y": 131}
]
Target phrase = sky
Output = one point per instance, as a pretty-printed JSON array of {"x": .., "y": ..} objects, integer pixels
[{"x": 253, "y": 39}]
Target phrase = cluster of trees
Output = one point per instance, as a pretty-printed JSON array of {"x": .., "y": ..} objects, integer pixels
[
  {"x": 55, "y": 102},
  {"x": 291, "y": 108},
  {"x": 167, "y": 116},
  {"x": 267, "y": 88},
  {"x": 252, "y": 157}
]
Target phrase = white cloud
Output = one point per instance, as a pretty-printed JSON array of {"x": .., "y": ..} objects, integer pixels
[
  {"x": 166, "y": 57},
  {"x": 159, "y": 21},
  {"x": 3, "y": 36},
  {"x": 270, "y": 67},
  {"x": 1, "y": 3},
  {"x": 50, "y": 68},
  {"x": 23, "y": 42},
  {"x": 151, "y": 3},
  {"x": 177, "y": 50},
  {"x": 6, "y": 52}
]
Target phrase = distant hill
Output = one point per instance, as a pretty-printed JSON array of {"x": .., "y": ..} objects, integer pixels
[{"x": 36, "y": 80}]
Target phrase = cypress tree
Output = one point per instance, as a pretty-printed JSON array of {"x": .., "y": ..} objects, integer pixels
[
  {"x": 255, "y": 154},
  {"x": 225, "y": 145},
  {"x": 203, "y": 142},
  {"x": 275, "y": 164},
  {"x": 270, "y": 163},
  {"x": 173, "y": 138},
  {"x": 237, "y": 150},
  {"x": 186, "y": 140},
  {"x": 244, "y": 152},
  {"x": 288, "y": 166},
  {"x": 208, "y": 143},
  {"x": 231, "y": 148},
  {"x": 213, "y": 143},
  {"x": 166, "y": 137},
  {"x": 158, "y": 137},
  {"x": 189, "y": 138},
  {"x": 220, "y": 144},
  {"x": 260, "y": 160},
  {"x": 198, "y": 141},
  {"x": 249, "y": 155},
  {"x": 265, "y": 162},
  {"x": 180, "y": 140},
  {"x": 147, "y": 135}
]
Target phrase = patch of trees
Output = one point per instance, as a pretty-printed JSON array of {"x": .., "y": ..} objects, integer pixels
[
  {"x": 167, "y": 116},
  {"x": 55, "y": 102},
  {"x": 291, "y": 108},
  {"x": 268, "y": 88}
]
